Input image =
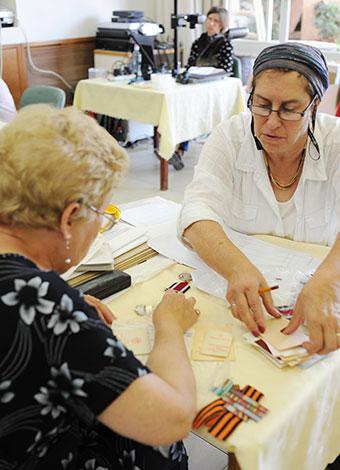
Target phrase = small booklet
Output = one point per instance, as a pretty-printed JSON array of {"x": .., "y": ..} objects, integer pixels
[
  {"x": 211, "y": 343},
  {"x": 216, "y": 343},
  {"x": 136, "y": 337}
]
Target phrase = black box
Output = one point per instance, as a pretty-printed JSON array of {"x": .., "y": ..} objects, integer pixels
[{"x": 106, "y": 284}]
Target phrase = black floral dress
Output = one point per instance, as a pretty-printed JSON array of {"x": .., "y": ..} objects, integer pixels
[
  {"x": 60, "y": 367},
  {"x": 215, "y": 51}
]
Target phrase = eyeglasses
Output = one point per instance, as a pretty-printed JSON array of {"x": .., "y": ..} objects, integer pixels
[
  {"x": 284, "y": 114},
  {"x": 110, "y": 216}
]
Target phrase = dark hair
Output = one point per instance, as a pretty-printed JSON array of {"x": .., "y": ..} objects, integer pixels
[{"x": 223, "y": 14}]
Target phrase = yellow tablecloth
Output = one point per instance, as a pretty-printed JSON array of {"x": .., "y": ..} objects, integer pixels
[
  {"x": 180, "y": 113},
  {"x": 302, "y": 430}
]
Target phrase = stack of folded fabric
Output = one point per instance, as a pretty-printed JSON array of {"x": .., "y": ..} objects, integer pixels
[{"x": 281, "y": 349}]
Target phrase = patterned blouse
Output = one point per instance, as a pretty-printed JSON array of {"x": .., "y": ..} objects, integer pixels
[
  {"x": 60, "y": 367},
  {"x": 214, "y": 51}
]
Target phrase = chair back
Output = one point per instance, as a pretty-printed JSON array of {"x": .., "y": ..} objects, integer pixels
[
  {"x": 237, "y": 67},
  {"x": 43, "y": 94}
]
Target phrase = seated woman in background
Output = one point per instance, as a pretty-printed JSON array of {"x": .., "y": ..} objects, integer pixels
[
  {"x": 211, "y": 49},
  {"x": 274, "y": 170},
  {"x": 71, "y": 395}
]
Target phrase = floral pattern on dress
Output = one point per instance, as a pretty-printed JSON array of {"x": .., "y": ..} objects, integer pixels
[
  {"x": 66, "y": 462},
  {"x": 92, "y": 465},
  {"x": 65, "y": 318},
  {"x": 115, "y": 346},
  {"x": 60, "y": 367},
  {"x": 6, "y": 395},
  {"x": 29, "y": 295},
  {"x": 177, "y": 451},
  {"x": 62, "y": 381},
  {"x": 41, "y": 443},
  {"x": 128, "y": 459},
  {"x": 51, "y": 401}
]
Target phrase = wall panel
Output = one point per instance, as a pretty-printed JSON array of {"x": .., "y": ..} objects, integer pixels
[{"x": 70, "y": 58}]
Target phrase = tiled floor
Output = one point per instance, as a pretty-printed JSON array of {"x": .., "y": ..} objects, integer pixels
[
  {"x": 143, "y": 178},
  {"x": 143, "y": 181}
]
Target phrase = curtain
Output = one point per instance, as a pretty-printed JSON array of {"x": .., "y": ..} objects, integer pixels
[{"x": 164, "y": 9}]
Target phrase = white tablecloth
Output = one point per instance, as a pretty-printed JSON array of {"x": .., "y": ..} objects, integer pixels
[
  {"x": 302, "y": 430},
  {"x": 181, "y": 113}
]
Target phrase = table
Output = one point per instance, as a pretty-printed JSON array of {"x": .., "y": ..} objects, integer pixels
[
  {"x": 180, "y": 113},
  {"x": 302, "y": 429}
]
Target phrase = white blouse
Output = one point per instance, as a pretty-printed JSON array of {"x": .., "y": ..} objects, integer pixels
[{"x": 231, "y": 185}]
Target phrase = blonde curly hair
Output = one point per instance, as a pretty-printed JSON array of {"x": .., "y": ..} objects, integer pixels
[{"x": 50, "y": 158}]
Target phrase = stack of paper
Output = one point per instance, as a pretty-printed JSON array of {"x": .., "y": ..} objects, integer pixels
[
  {"x": 125, "y": 261},
  {"x": 202, "y": 73},
  {"x": 122, "y": 247},
  {"x": 100, "y": 260},
  {"x": 281, "y": 349}
]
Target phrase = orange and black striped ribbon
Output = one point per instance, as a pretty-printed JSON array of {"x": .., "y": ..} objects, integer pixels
[{"x": 221, "y": 422}]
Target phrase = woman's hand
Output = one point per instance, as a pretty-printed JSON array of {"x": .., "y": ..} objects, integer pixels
[
  {"x": 103, "y": 310},
  {"x": 175, "y": 307},
  {"x": 318, "y": 306},
  {"x": 244, "y": 285}
]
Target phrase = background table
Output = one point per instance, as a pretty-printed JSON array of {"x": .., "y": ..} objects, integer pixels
[
  {"x": 302, "y": 429},
  {"x": 181, "y": 113}
]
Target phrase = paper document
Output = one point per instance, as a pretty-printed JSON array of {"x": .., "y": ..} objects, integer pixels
[
  {"x": 101, "y": 260},
  {"x": 134, "y": 337},
  {"x": 216, "y": 343},
  {"x": 279, "y": 265},
  {"x": 210, "y": 344},
  {"x": 150, "y": 211},
  {"x": 204, "y": 71},
  {"x": 166, "y": 242},
  {"x": 279, "y": 340},
  {"x": 123, "y": 238}
]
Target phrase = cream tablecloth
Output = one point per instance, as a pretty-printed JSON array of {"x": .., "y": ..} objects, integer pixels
[
  {"x": 302, "y": 430},
  {"x": 181, "y": 113}
]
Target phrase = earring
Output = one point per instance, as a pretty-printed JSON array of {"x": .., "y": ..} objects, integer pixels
[{"x": 67, "y": 247}]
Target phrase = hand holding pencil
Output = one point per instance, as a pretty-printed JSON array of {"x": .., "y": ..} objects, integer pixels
[
  {"x": 249, "y": 295},
  {"x": 263, "y": 290}
]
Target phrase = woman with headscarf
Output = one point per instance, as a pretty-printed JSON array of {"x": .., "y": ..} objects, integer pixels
[
  {"x": 274, "y": 170},
  {"x": 211, "y": 49},
  {"x": 72, "y": 396}
]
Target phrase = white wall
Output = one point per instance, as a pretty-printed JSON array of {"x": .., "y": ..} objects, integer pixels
[
  {"x": 47, "y": 20},
  {"x": 148, "y": 6}
]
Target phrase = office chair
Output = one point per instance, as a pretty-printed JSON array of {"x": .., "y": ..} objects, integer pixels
[
  {"x": 235, "y": 33},
  {"x": 43, "y": 94}
]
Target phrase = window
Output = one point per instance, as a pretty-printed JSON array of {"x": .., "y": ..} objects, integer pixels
[
  {"x": 315, "y": 20},
  {"x": 257, "y": 15},
  {"x": 307, "y": 20}
]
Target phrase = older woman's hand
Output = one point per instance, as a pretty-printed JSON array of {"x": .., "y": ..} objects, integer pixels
[
  {"x": 104, "y": 313},
  {"x": 318, "y": 306},
  {"x": 244, "y": 286},
  {"x": 176, "y": 307}
]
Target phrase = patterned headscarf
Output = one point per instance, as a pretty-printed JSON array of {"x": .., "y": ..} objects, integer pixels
[{"x": 306, "y": 60}]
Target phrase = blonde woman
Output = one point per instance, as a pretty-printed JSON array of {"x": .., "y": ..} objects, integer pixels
[{"x": 71, "y": 395}]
